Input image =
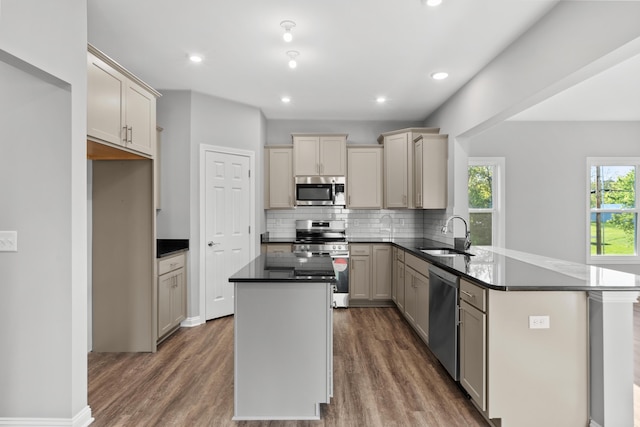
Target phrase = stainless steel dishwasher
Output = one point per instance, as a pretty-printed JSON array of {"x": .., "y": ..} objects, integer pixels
[{"x": 443, "y": 318}]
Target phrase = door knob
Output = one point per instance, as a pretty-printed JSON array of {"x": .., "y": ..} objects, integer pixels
[{"x": 211, "y": 244}]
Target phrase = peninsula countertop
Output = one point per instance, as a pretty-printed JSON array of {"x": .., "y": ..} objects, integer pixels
[{"x": 509, "y": 270}]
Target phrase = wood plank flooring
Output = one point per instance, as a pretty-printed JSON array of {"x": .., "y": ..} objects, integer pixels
[{"x": 383, "y": 376}]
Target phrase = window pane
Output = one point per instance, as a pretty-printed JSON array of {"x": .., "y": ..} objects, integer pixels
[
  {"x": 480, "y": 187},
  {"x": 613, "y": 233},
  {"x": 613, "y": 187},
  {"x": 480, "y": 226}
]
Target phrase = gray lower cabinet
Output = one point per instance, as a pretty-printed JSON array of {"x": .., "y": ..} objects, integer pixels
[
  {"x": 172, "y": 294},
  {"x": 416, "y": 295},
  {"x": 473, "y": 342},
  {"x": 370, "y": 272},
  {"x": 397, "y": 283}
]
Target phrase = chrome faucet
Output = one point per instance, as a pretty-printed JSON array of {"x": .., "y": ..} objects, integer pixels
[{"x": 467, "y": 233}]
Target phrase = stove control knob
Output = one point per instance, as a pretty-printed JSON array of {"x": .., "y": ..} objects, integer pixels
[{"x": 334, "y": 247}]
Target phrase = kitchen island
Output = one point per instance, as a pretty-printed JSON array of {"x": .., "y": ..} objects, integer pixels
[{"x": 283, "y": 343}]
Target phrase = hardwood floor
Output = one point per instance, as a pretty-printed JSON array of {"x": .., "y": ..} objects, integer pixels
[{"x": 383, "y": 376}]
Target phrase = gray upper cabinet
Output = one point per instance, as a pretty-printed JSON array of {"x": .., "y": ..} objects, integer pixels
[
  {"x": 320, "y": 154},
  {"x": 430, "y": 171},
  {"x": 121, "y": 109},
  {"x": 364, "y": 177},
  {"x": 278, "y": 186},
  {"x": 398, "y": 166}
]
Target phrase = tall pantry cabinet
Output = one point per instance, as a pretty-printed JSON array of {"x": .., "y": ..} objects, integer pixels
[{"x": 121, "y": 142}]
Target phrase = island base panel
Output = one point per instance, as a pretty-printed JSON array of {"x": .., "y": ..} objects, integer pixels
[{"x": 282, "y": 350}]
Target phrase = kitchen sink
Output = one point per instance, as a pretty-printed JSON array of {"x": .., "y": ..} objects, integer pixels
[{"x": 444, "y": 252}]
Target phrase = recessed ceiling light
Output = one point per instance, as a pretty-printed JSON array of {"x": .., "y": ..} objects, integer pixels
[
  {"x": 285, "y": 99},
  {"x": 440, "y": 75},
  {"x": 195, "y": 58},
  {"x": 432, "y": 3},
  {"x": 381, "y": 100}
]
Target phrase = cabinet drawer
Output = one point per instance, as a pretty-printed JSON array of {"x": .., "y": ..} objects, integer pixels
[
  {"x": 473, "y": 294},
  {"x": 355, "y": 249},
  {"x": 400, "y": 255},
  {"x": 169, "y": 264},
  {"x": 417, "y": 264}
]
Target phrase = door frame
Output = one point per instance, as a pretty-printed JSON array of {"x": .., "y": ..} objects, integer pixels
[{"x": 204, "y": 149}]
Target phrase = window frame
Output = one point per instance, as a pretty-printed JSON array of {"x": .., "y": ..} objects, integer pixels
[
  {"x": 497, "y": 195},
  {"x": 611, "y": 259}
]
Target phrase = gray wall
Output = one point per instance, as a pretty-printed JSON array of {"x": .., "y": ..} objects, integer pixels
[
  {"x": 43, "y": 306},
  {"x": 545, "y": 175},
  {"x": 190, "y": 119},
  {"x": 360, "y": 131}
]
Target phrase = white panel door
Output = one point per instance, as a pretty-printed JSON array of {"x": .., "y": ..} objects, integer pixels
[{"x": 227, "y": 241}]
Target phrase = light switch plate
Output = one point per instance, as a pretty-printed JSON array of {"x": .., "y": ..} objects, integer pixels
[
  {"x": 8, "y": 241},
  {"x": 539, "y": 322}
]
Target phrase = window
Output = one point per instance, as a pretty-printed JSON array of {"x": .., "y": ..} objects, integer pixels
[
  {"x": 485, "y": 201},
  {"x": 612, "y": 210}
]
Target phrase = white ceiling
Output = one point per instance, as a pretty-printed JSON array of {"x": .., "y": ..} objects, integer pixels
[
  {"x": 612, "y": 95},
  {"x": 351, "y": 51}
]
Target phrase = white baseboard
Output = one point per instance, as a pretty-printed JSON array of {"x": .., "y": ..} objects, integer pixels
[
  {"x": 82, "y": 419},
  {"x": 190, "y": 322}
]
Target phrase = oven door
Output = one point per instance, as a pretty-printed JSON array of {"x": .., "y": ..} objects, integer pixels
[{"x": 341, "y": 269}]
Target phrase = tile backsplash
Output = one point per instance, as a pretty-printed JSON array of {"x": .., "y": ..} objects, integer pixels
[{"x": 381, "y": 223}]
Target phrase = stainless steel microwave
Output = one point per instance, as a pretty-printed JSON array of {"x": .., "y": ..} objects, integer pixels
[{"x": 320, "y": 191}]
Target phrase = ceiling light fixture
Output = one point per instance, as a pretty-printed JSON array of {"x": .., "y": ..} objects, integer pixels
[
  {"x": 285, "y": 99},
  {"x": 293, "y": 54},
  {"x": 287, "y": 25},
  {"x": 440, "y": 75},
  {"x": 195, "y": 58},
  {"x": 381, "y": 100},
  {"x": 432, "y": 3}
]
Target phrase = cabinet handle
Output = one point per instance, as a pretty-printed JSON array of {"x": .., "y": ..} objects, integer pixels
[
  {"x": 349, "y": 198},
  {"x": 404, "y": 199},
  {"x": 124, "y": 131},
  {"x": 469, "y": 294},
  {"x": 130, "y": 134},
  {"x": 290, "y": 201}
]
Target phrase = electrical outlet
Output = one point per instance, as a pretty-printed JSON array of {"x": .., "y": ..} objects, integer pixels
[
  {"x": 539, "y": 322},
  {"x": 8, "y": 241}
]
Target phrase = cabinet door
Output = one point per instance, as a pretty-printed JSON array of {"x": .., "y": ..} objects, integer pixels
[
  {"x": 364, "y": 179},
  {"x": 140, "y": 120},
  {"x": 333, "y": 155},
  {"x": 431, "y": 171},
  {"x": 165, "y": 316},
  {"x": 179, "y": 297},
  {"x": 381, "y": 270},
  {"x": 279, "y": 178},
  {"x": 400, "y": 285},
  {"x": 105, "y": 102},
  {"x": 306, "y": 155},
  {"x": 473, "y": 368},
  {"x": 410, "y": 295},
  {"x": 395, "y": 171},
  {"x": 360, "y": 277},
  {"x": 422, "y": 306},
  {"x": 417, "y": 172}
]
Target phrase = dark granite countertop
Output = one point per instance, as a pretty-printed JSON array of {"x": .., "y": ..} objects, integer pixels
[
  {"x": 510, "y": 270},
  {"x": 286, "y": 267},
  {"x": 167, "y": 247}
]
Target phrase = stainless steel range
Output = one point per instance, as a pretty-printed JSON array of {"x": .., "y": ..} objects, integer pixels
[{"x": 326, "y": 238}]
